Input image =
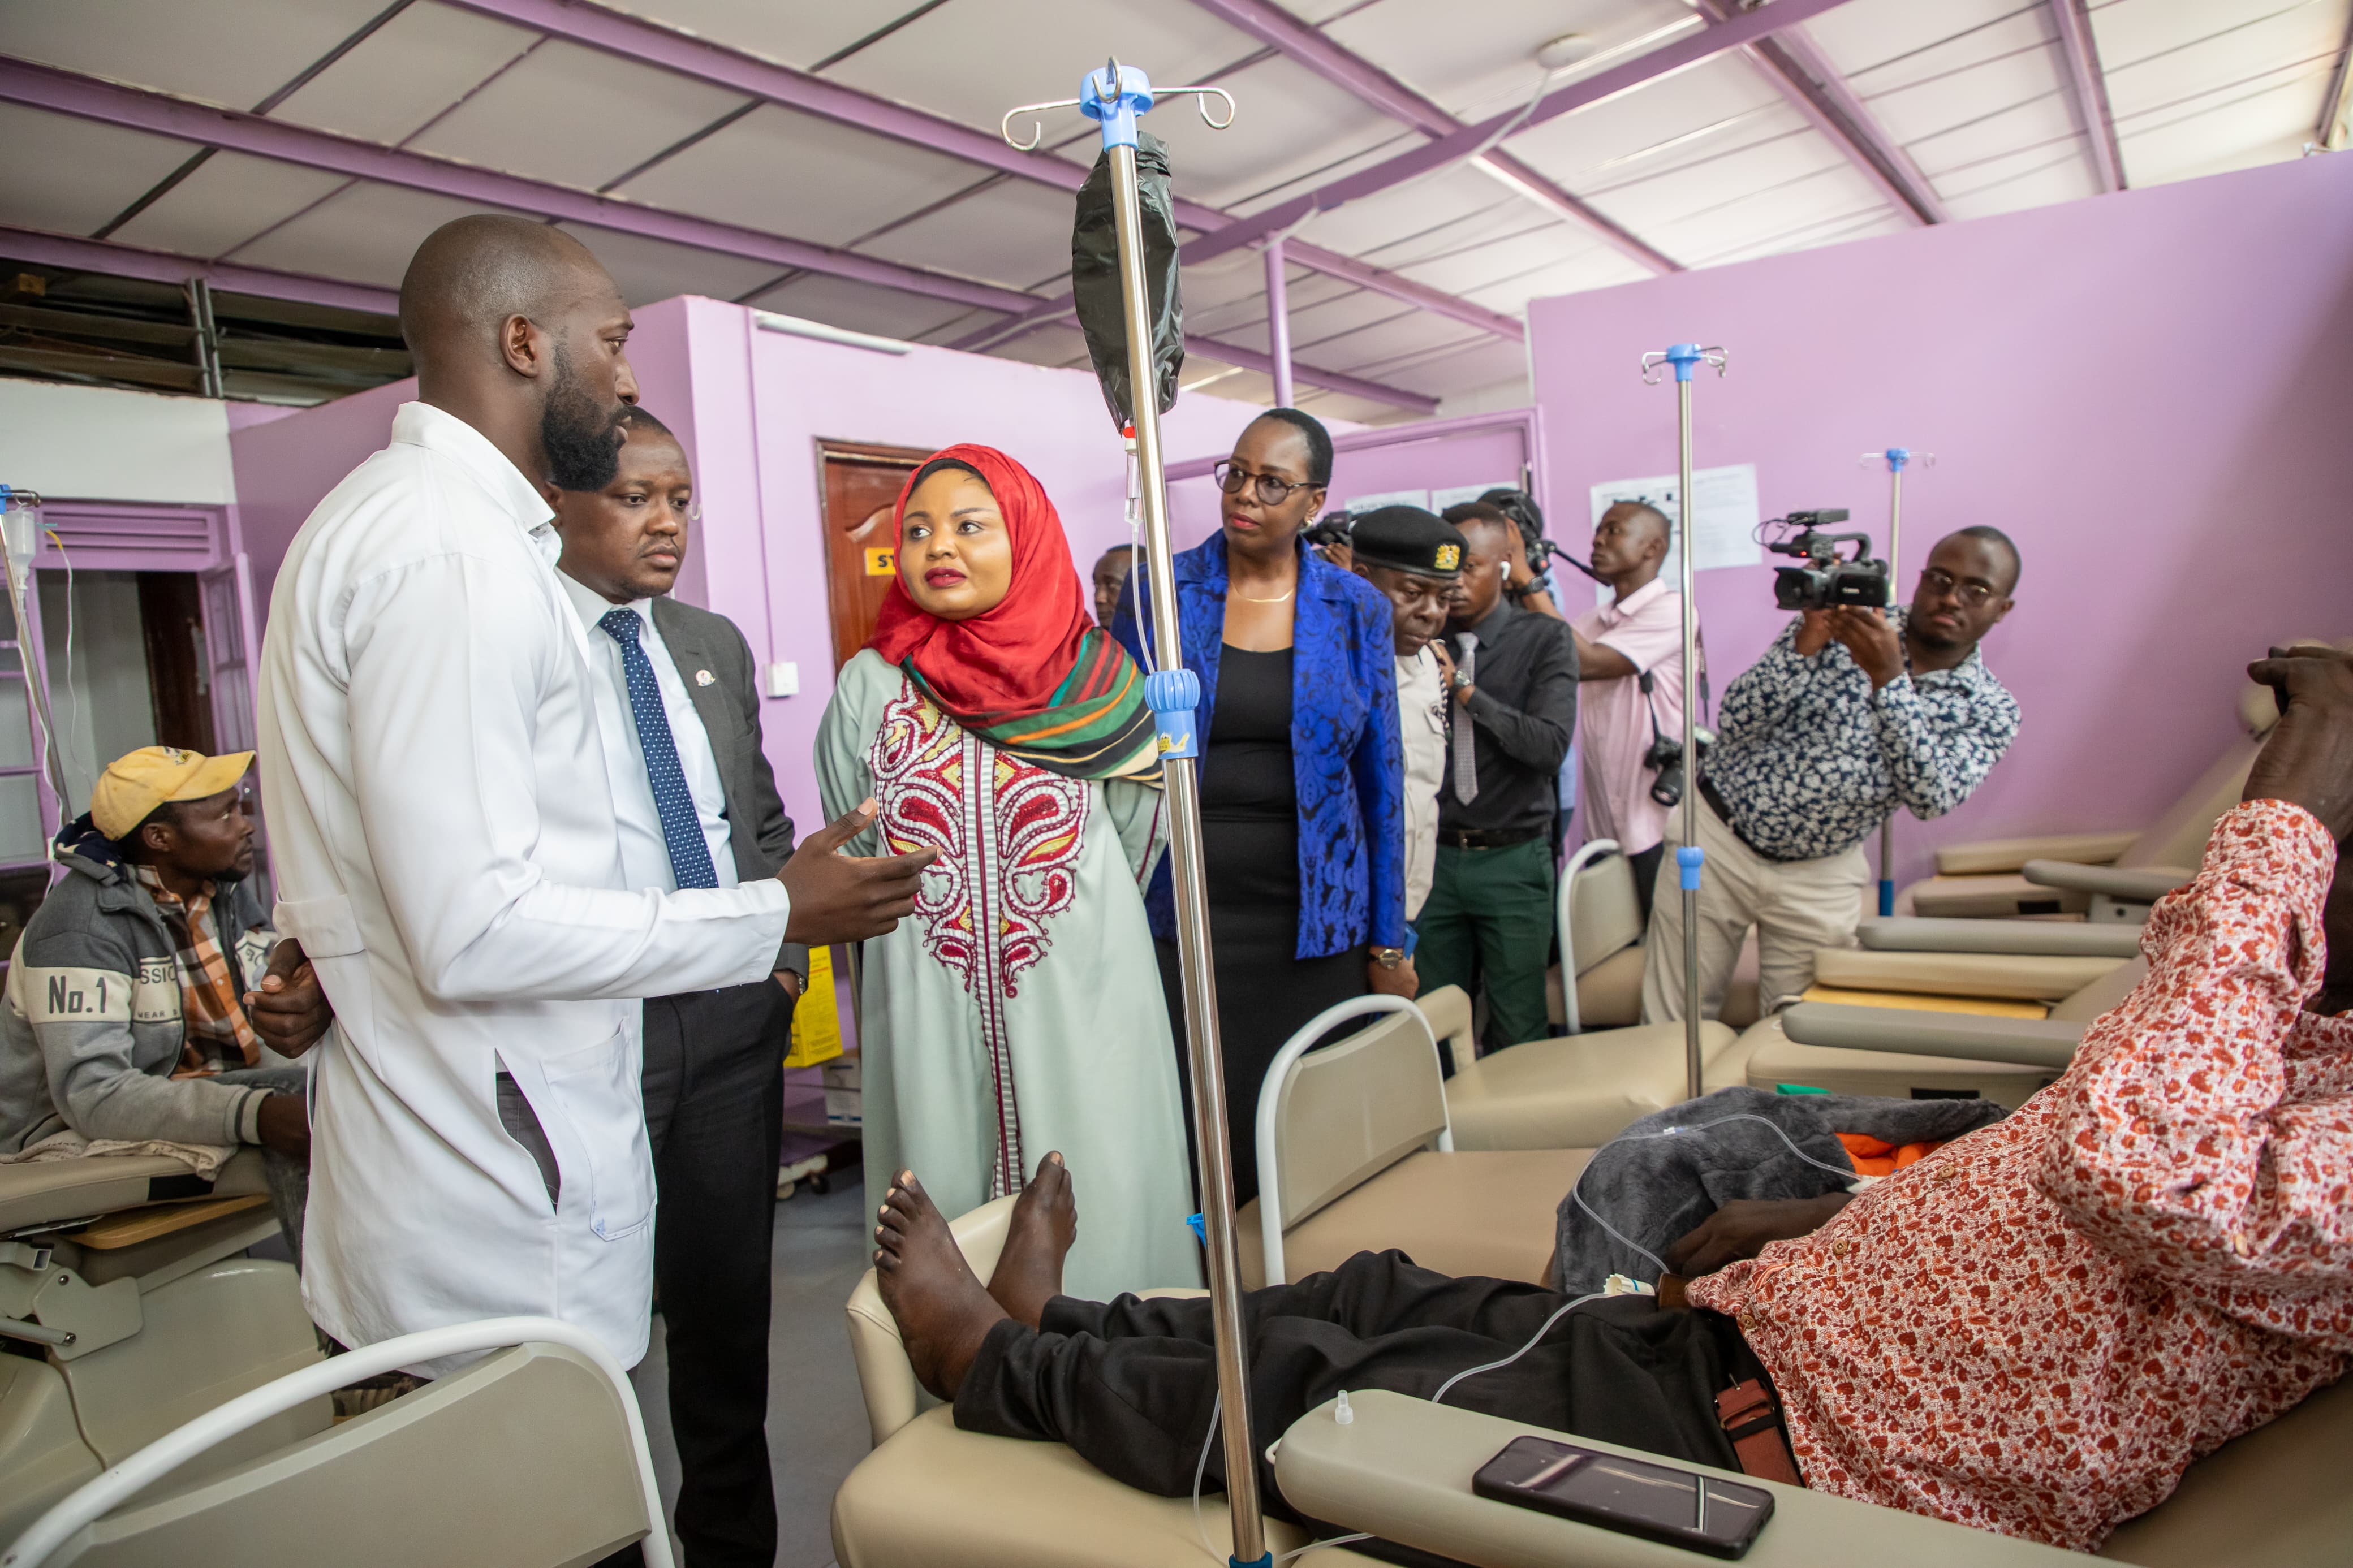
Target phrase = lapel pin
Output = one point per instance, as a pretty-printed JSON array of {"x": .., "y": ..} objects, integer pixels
[{"x": 704, "y": 678}]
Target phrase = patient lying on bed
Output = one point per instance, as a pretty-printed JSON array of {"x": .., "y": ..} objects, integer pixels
[{"x": 2035, "y": 1330}]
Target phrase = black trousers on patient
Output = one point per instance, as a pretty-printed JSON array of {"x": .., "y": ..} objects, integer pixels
[{"x": 1130, "y": 1383}]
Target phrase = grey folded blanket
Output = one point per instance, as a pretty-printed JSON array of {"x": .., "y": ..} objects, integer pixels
[{"x": 1656, "y": 1190}]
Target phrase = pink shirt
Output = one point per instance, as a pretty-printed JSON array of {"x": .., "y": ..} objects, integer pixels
[
  {"x": 2037, "y": 1327},
  {"x": 1613, "y": 720}
]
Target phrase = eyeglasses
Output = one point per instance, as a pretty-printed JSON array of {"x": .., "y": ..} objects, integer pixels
[
  {"x": 1938, "y": 581},
  {"x": 1271, "y": 490}
]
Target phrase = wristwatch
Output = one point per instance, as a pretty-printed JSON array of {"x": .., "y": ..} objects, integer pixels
[
  {"x": 1461, "y": 682},
  {"x": 1389, "y": 957}
]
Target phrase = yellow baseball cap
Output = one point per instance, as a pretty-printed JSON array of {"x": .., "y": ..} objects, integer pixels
[{"x": 134, "y": 785}]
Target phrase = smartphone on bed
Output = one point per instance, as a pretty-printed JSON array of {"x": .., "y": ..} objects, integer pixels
[{"x": 1658, "y": 1502}]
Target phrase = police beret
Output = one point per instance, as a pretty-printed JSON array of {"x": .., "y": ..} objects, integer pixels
[{"x": 1409, "y": 538}]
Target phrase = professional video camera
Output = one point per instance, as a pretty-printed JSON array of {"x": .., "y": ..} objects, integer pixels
[
  {"x": 1826, "y": 579},
  {"x": 1331, "y": 529}
]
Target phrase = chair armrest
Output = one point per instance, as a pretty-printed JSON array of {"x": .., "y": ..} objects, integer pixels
[
  {"x": 2054, "y": 939},
  {"x": 1402, "y": 1470},
  {"x": 1998, "y": 855},
  {"x": 2132, "y": 885},
  {"x": 2029, "y": 1042}
]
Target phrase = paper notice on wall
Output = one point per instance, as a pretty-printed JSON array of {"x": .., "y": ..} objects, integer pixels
[
  {"x": 1725, "y": 514},
  {"x": 1388, "y": 497},
  {"x": 1456, "y": 495}
]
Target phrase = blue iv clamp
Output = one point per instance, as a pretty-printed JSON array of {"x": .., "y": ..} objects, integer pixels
[
  {"x": 1175, "y": 698},
  {"x": 1113, "y": 98}
]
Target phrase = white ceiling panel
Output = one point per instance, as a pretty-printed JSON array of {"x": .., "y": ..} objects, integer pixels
[
  {"x": 365, "y": 234},
  {"x": 1835, "y": 228},
  {"x": 1476, "y": 72},
  {"x": 2219, "y": 84},
  {"x": 794, "y": 174},
  {"x": 1599, "y": 267},
  {"x": 974, "y": 61},
  {"x": 1452, "y": 368},
  {"x": 1406, "y": 332},
  {"x": 1013, "y": 233},
  {"x": 225, "y": 202},
  {"x": 1535, "y": 250},
  {"x": 236, "y": 52},
  {"x": 552, "y": 116},
  {"x": 415, "y": 68},
  {"x": 1710, "y": 92},
  {"x": 651, "y": 269},
  {"x": 1292, "y": 131},
  {"x": 73, "y": 175},
  {"x": 793, "y": 32},
  {"x": 1452, "y": 197},
  {"x": 864, "y": 308},
  {"x": 1835, "y": 192}
]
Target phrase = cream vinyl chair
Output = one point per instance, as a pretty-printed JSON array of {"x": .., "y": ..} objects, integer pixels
[
  {"x": 1599, "y": 921},
  {"x": 1356, "y": 1152},
  {"x": 127, "y": 1274},
  {"x": 532, "y": 1458},
  {"x": 2111, "y": 876}
]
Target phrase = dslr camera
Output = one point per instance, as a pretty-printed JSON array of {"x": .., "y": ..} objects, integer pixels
[
  {"x": 1332, "y": 528},
  {"x": 1826, "y": 579}
]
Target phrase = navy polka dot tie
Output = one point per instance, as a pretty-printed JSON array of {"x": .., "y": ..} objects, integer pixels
[{"x": 690, "y": 852}]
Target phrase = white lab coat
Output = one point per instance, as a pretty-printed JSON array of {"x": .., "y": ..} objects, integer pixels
[{"x": 443, "y": 836}]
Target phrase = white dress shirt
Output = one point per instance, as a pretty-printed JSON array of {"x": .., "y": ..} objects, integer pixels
[
  {"x": 645, "y": 853},
  {"x": 443, "y": 837},
  {"x": 1421, "y": 716}
]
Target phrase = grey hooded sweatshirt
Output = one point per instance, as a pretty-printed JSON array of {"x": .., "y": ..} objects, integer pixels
[{"x": 91, "y": 1028}]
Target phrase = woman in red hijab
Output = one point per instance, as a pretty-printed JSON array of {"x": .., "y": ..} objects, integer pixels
[{"x": 1019, "y": 1011}]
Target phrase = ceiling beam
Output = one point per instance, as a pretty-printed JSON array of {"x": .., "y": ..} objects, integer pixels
[
  {"x": 1679, "y": 55},
  {"x": 1316, "y": 51},
  {"x": 2087, "y": 84},
  {"x": 683, "y": 54},
  {"x": 107, "y": 257},
  {"x": 2336, "y": 110},
  {"x": 142, "y": 109},
  {"x": 1796, "y": 66}
]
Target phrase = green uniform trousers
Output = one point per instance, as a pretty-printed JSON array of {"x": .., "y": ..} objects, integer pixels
[{"x": 1490, "y": 919}]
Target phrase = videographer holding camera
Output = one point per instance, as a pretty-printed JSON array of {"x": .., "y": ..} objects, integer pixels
[{"x": 1853, "y": 711}]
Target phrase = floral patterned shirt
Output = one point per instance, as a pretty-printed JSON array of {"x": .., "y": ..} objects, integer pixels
[
  {"x": 2037, "y": 1327},
  {"x": 1811, "y": 760}
]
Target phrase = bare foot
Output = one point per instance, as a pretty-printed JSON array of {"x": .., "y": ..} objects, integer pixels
[
  {"x": 941, "y": 1309},
  {"x": 1045, "y": 1223}
]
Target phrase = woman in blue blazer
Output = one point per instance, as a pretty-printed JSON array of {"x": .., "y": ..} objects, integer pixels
[{"x": 1302, "y": 770}]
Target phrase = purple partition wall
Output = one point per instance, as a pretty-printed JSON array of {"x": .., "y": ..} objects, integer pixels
[{"x": 2147, "y": 391}]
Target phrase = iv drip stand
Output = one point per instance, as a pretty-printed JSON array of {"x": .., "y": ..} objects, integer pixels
[
  {"x": 1896, "y": 459},
  {"x": 1115, "y": 97},
  {"x": 1686, "y": 359}
]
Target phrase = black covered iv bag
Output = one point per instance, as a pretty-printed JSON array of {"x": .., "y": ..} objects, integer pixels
[{"x": 1095, "y": 284}]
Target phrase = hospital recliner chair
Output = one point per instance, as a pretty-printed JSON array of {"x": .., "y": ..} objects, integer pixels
[
  {"x": 929, "y": 1494},
  {"x": 125, "y": 1275},
  {"x": 2111, "y": 876},
  {"x": 1598, "y": 921},
  {"x": 533, "y": 1456}
]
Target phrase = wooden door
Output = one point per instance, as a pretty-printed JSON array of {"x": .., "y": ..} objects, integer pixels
[{"x": 861, "y": 488}]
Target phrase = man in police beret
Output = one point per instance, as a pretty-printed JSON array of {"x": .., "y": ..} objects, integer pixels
[{"x": 1416, "y": 558}]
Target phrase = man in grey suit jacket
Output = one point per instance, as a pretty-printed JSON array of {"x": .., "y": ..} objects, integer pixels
[{"x": 697, "y": 806}]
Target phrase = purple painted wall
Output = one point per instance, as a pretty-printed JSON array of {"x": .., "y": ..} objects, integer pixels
[{"x": 2145, "y": 390}]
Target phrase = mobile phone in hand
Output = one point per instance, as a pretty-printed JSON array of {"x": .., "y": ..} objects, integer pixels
[{"x": 1636, "y": 1497}]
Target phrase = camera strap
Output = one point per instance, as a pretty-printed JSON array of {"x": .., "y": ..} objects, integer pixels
[{"x": 1651, "y": 702}]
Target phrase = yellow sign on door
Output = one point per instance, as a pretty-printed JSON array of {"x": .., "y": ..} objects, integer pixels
[{"x": 884, "y": 563}]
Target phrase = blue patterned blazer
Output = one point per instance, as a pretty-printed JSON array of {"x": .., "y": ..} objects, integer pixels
[{"x": 1347, "y": 757}]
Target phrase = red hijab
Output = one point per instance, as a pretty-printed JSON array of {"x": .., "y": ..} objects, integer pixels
[{"x": 1007, "y": 662}]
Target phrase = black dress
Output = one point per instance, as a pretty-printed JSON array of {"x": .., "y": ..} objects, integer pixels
[{"x": 1250, "y": 833}]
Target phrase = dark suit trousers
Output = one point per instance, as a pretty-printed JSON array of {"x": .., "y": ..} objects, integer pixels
[{"x": 714, "y": 1107}]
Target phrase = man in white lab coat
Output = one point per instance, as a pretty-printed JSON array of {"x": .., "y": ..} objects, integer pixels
[{"x": 444, "y": 840}]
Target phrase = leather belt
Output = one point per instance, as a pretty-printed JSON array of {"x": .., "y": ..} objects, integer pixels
[
  {"x": 1480, "y": 839},
  {"x": 1753, "y": 1423},
  {"x": 1708, "y": 791}
]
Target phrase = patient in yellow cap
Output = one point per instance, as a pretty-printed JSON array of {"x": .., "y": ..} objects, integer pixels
[{"x": 125, "y": 1026}]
